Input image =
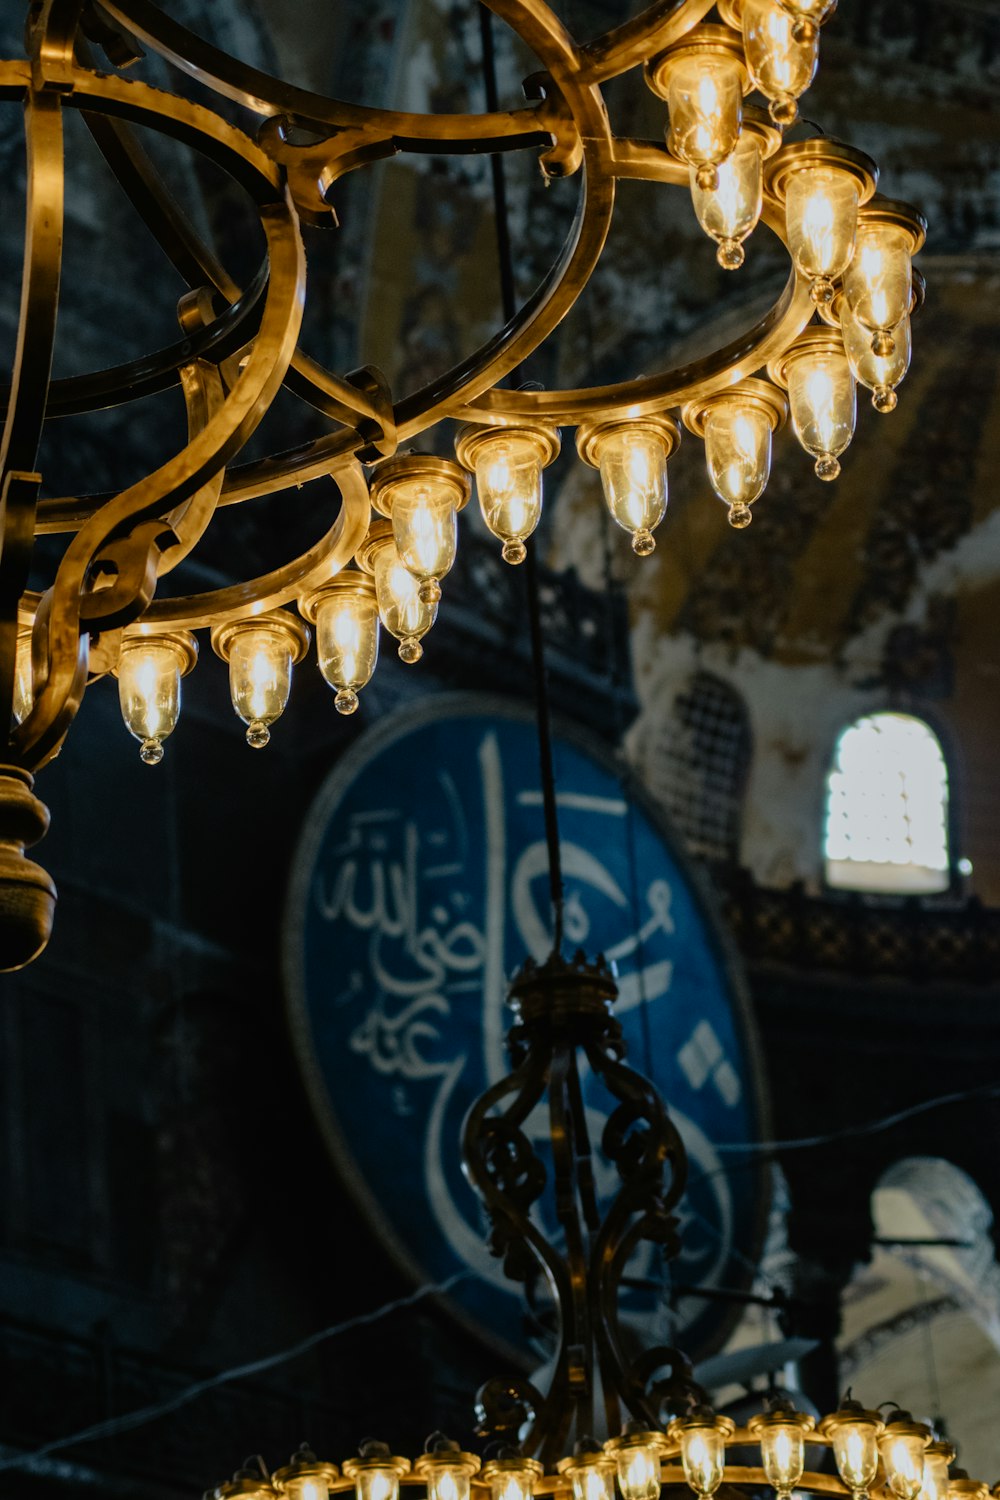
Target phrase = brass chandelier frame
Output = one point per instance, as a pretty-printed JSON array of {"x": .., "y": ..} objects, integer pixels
[{"x": 239, "y": 345}]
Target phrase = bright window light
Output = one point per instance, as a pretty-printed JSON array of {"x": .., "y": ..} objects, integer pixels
[{"x": 887, "y": 808}]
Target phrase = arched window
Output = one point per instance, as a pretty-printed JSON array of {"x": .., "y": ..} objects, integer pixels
[{"x": 887, "y": 808}]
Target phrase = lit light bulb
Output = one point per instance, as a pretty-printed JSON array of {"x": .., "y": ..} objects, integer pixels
[
  {"x": 821, "y": 394},
  {"x": 591, "y": 1474},
  {"x": 261, "y": 652},
  {"x": 24, "y": 687},
  {"x": 376, "y": 1472},
  {"x": 937, "y": 1457},
  {"x": 401, "y": 609},
  {"x": 729, "y": 212},
  {"x": 807, "y": 16},
  {"x": 511, "y": 1478},
  {"x": 901, "y": 1448},
  {"x": 738, "y": 455},
  {"x": 781, "y": 1434},
  {"x": 781, "y": 56},
  {"x": 508, "y": 464},
  {"x": 705, "y": 100},
  {"x": 878, "y": 283},
  {"x": 637, "y": 1456},
  {"x": 305, "y": 1477},
  {"x": 447, "y": 1471},
  {"x": 345, "y": 614},
  {"x": 422, "y": 496},
  {"x": 149, "y": 675},
  {"x": 632, "y": 459},
  {"x": 855, "y": 1433},
  {"x": 880, "y": 374},
  {"x": 821, "y": 215},
  {"x": 703, "y": 1448},
  {"x": 737, "y": 426}
]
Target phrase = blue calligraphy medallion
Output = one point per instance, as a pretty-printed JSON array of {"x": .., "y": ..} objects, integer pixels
[{"x": 420, "y": 886}]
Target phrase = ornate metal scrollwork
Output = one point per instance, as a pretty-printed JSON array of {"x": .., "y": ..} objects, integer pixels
[{"x": 564, "y": 1010}]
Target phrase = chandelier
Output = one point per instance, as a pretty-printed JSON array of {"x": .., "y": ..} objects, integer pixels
[
  {"x": 537, "y": 1443},
  {"x": 842, "y": 318}
]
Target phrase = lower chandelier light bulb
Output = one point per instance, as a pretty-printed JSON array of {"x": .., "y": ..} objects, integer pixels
[
  {"x": 376, "y": 1472},
  {"x": 402, "y": 610},
  {"x": 261, "y": 651},
  {"x": 345, "y": 615},
  {"x": 879, "y": 374},
  {"x": 632, "y": 458},
  {"x": 637, "y": 1454},
  {"x": 901, "y": 1447},
  {"x": 149, "y": 672},
  {"x": 702, "y": 1437},
  {"x": 855, "y": 1433},
  {"x": 508, "y": 464},
  {"x": 422, "y": 496},
  {"x": 730, "y": 211},
  {"x": 781, "y": 1434},
  {"x": 821, "y": 394},
  {"x": 737, "y": 426}
]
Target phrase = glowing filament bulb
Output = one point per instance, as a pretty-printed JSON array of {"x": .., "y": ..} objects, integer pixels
[
  {"x": 781, "y": 56},
  {"x": 376, "y": 1472},
  {"x": 508, "y": 464},
  {"x": 347, "y": 630},
  {"x": 591, "y": 1478},
  {"x": 821, "y": 214},
  {"x": 856, "y": 1454},
  {"x": 703, "y": 1456},
  {"x": 633, "y": 465},
  {"x": 821, "y": 394},
  {"x": 783, "y": 1451},
  {"x": 422, "y": 496},
  {"x": 729, "y": 212},
  {"x": 881, "y": 374},
  {"x": 639, "y": 1473},
  {"x": 149, "y": 675},
  {"x": 401, "y": 609},
  {"x": 738, "y": 455},
  {"x": 901, "y": 1447},
  {"x": 705, "y": 101},
  {"x": 878, "y": 281}
]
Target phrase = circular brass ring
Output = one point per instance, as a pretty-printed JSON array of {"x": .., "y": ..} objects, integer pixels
[
  {"x": 802, "y": 156},
  {"x": 892, "y": 211},
  {"x": 403, "y": 467},
  {"x": 590, "y": 434},
  {"x": 818, "y": 338},
  {"x": 352, "y": 1467},
  {"x": 471, "y": 438},
  {"x": 378, "y": 534},
  {"x": 349, "y": 582},
  {"x": 760, "y": 394},
  {"x": 701, "y": 41},
  {"x": 294, "y": 633},
  {"x": 185, "y": 642}
]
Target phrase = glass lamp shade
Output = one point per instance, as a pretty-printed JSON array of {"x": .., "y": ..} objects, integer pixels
[
  {"x": 705, "y": 100},
  {"x": 260, "y": 679},
  {"x": 821, "y": 215},
  {"x": 703, "y": 1450},
  {"x": 345, "y": 614},
  {"x": 422, "y": 496},
  {"x": 24, "y": 689},
  {"x": 901, "y": 1448},
  {"x": 781, "y": 1434},
  {"x": 937, "y": 1457},
  {"x": 376, "y": 1472},
  {"x": 854, "y": 1433},
  {"x": 591, "y": 1476},
  {"x": 738, "y": 455},
  {"x": 807, "y": 15},
  {"x": 632, "y": 460},
  {"x": 447, "y": 1472},
  {"x": 879, "y": 373},
  {"x": 730, "y": 210},
  {"x": 781, "y": 56},
  {"x": 149, "y": 675},
  {"x": 401, "y": 609},
  {"x": 821, "y": 394},
  {"x": 261, "y": 652},
  {"x": 305, "y": 1477},
  {"x": 637, "y": 1456},
  {"x": 508, "y": 464},
  {"x": 878, "y": 283},
  {"x": 511, "y": 1478}
]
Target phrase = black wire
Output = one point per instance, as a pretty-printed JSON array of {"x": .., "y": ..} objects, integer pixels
[{"x": 543, "y": 713}]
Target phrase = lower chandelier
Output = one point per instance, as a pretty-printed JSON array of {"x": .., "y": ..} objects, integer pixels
[{"x": 538, "y": 1443}]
